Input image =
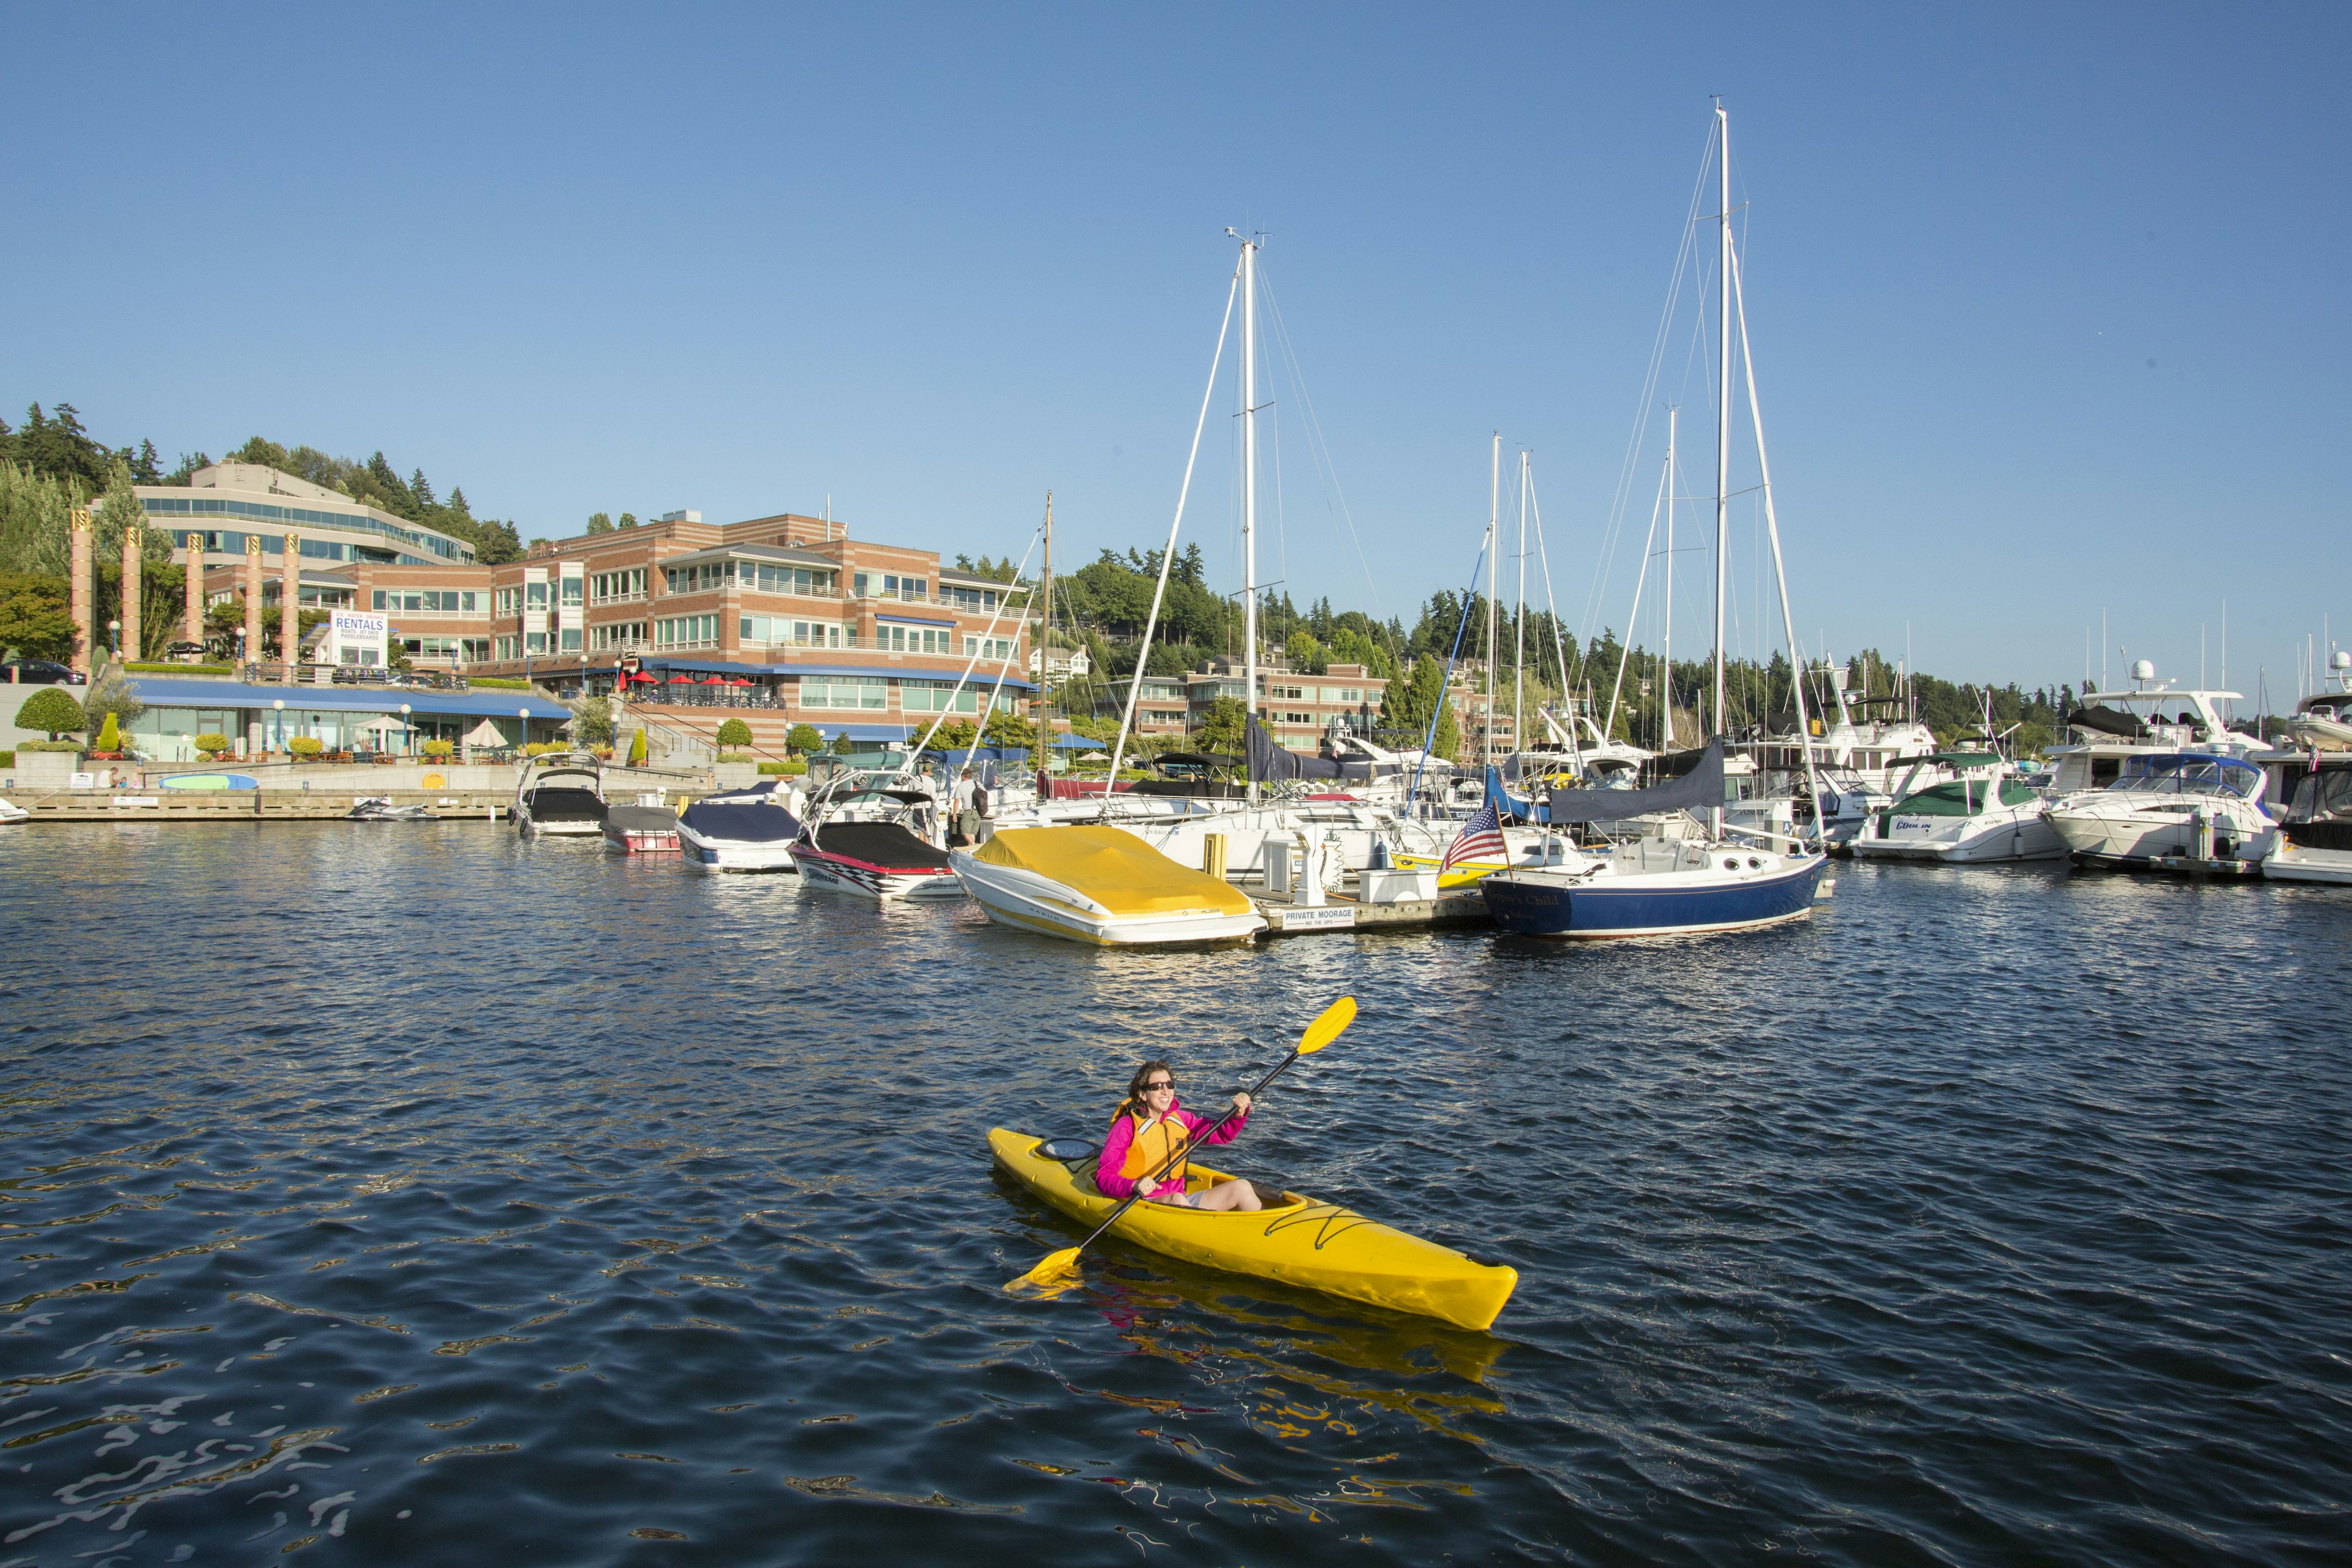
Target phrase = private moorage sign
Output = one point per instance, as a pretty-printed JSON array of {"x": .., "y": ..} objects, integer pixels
[{"x": 355, "y": 637}]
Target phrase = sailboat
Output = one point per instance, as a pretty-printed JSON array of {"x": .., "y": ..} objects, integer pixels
[{"x": 1714, "y": 879}]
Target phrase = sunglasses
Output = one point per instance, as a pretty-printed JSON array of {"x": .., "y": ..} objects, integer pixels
[{"x": 1163, "y": 1083}]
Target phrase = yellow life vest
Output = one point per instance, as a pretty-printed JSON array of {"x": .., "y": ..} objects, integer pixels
[{"x": 1154, "y": 1141}]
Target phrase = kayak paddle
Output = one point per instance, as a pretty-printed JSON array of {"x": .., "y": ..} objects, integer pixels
[{"x": 1057, "y": 1266}]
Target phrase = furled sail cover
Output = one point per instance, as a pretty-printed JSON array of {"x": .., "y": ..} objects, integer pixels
[
  {"x": 1690, "y": 780},
  {"x": 1269, "y": 761},
  {"x": 1114, "y": 868}
]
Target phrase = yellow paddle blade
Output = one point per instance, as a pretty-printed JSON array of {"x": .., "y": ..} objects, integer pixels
[
  {"x": 1328, "y": 1027},
  {"x": 1055, "y": 1272}
]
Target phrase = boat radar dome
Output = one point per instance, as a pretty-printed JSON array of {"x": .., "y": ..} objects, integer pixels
[
  {"x": 2340, "y": 659},
  {"x": 2143, "y": 670}
]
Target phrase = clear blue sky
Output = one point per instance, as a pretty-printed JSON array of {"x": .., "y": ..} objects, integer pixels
[{"x": 2047, "y": 302}]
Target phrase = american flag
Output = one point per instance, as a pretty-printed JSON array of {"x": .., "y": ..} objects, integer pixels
[{"x": 1482, "y": 834}]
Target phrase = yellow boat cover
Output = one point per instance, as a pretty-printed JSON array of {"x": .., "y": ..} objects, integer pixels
[{"x": 1113, "y": 868}]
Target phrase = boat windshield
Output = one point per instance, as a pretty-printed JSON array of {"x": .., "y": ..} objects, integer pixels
[{"x": 2190, "y": 772}]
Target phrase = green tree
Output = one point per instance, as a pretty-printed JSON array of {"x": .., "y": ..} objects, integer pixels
[
  {"x": 1006, "y": 728},
  {"x": 52, "y": 711},
  {"x": 35, "y": 513},
  {"x": 1225, "y": 728},
  {"x": 628, "y": 520},
  {"x": 112, "y": 695},
  {"x": 592, "y": 721},
  {"x": 35, "y": 617},
  {"x": 599, "y": 523},
  {"x": 842, "y": 745},
  {"x": 803, "y": 739},
  {"x": 637, "y": 748},
  {"x": 109, "y": 735},
  {"x": 734, "y": 732},
  {"x": 956, "y": 734}
]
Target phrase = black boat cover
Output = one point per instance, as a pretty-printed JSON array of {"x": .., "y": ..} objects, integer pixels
[
  {"x": 1269, "y": 761},
  {"x": 744, "y": 818},
  {"x": 883, "y": 844},
  {"x": 641, "y": 818},
  {"x": 2107, "y": 721},
  {"x": 1687, "y": 781},
  {"x": 559, "y": 802}
]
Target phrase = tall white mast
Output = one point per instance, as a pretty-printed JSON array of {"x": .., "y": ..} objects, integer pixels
[
  {"x": 1249, "y": 491},
  {"x": 1494, "y": 541},
  {"x": 1666, "y": 653},
  {"x": 1723, "y": 400},
  {"x": 1519, "y": 621}
]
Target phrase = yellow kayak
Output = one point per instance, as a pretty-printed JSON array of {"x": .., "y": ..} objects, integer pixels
[{"x": 1298, "y": 1241}]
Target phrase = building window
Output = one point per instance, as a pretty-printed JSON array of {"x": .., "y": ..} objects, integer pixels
[
  {"x": 844, "y": 691},
  {"x": 686, "y": 631},
  {"x": 534, "y": 642},
  {"x": 535, "y": 595},
  {"x": 572, "y": 639},
  {"x": 695, "y": 579},
  {"x": 571, "y": 588},
  {"x": 937, "y": 696},
  {"x": 981, "y": 601},
  {"x": 616, "y": 587},
  {"x": 987, "y": 648},
  {"x": 617, "y": 635}
]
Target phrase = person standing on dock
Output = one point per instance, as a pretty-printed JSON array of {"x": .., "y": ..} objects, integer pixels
[{"x": 964, "y": 810}]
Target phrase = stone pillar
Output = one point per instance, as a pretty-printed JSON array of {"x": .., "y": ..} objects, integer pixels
[
  {"x": 133, "y": 554},
  {"x": 253, "y": 599},
  {"x": 84, "y": 602},
  {"x": 195, "y": 629},
  {"x": 289, "y": 603}
]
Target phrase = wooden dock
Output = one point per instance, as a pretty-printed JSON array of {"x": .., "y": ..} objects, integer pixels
[
  {"x": 1463, "y": 907},
  {"x": 228, "y": 806}
]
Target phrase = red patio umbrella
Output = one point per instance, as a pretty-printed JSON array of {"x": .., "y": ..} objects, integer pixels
[
  {"x": 739, "y": 681},
  {"x": 679, "y": 680},
  {"x": 648, "y": 679},
  {"x": 712, "y": 680}
]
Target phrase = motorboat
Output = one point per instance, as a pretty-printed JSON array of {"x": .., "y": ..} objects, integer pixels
[
  {"x": 740, "y": 830},
  {"x": 383, "y": 809},
  {"x": 561, "y": 794},
  {"x": 2189, "y": 811},
  {"x": 851, "y": 852},
  {"x": 13, "y": 814},
  {"x": 1101, "y": 885},
  {"x": 2313, "y": 840},
  {"x": 2322, "y": 721},
  {"x": 648, "y": 826},
  {"x": 2109, "y": 730},
  {"x": 1983, "y": 815}
]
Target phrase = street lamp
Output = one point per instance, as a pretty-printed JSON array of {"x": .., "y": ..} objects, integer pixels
[
  {"x": 404, "y": 728},
  {"x": 114, "y": 630},
  {"x": 524, "y": 714},
  {"x": 277, "y": 723}
]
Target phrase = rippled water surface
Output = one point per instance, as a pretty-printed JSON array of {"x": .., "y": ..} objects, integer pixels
[{"x": 383, "y": 1194}]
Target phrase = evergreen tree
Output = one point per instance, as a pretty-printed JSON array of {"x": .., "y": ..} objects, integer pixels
[
  {"x": 420, "y": 488},
  {"x": 628, "y": 520},
  {"x": 599, "y": 523}
]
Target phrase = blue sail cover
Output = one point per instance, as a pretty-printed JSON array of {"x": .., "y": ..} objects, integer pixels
[
  {"x": 1687, "y": 781},
  {"x": 1520, "y": 808}
]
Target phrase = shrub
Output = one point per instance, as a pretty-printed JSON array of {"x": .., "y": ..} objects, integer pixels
[
  {"x": 181, "y": 668},
  {"x": 637, "y": 748},
  {"x": 306, "y": 746},
  {"x": 734, "y": 732},
  {"x": 544, "y": 747},
  {"x": 735, "y": 757},
  {"x": 110, "y": 736},
  {"x": 52, "y": 711},
  {"x": 212, "y": 743},
  {"x": 438, "y": 749},
  {"x": 7, "y": 758},
  {"x": 842, "y": 745},
  {"x": 790, "y": 770},
  {"x": 498, "y": 683},
  {"x": 48, "y": 745},
  {"x": 804, "y": 738},
  {"x": 592, "y": 721}
]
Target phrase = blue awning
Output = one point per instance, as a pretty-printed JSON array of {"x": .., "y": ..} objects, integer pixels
[
  {"x": 163, "y": 691},
  {"x": 915, "y": 620},
  {"x": 879, "y": 671}
]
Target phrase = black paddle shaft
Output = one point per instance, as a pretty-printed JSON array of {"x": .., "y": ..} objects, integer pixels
[{"x": 1184, "y": 1152}]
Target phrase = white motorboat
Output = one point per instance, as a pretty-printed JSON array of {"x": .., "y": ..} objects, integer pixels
[
  {"x": 1102, "y": 885},
  {"x": 2313, "y": 840},
  {"x": 9, "y": 813},
  {"x": 383, "y": 808},
  {"x": 740, "y": 830},
  {"x": 1982, "y": 816},
  {"x": 2322, "y": 721},
  {"x": 2189, "y": 811},
  {"x": 561, "y": 794}
]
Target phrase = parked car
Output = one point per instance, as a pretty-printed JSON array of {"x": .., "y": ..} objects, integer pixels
[{"x": 43, "y": 671}]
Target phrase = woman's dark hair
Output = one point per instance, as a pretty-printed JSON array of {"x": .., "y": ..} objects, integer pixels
[{"x": 1135, "y": 1085}]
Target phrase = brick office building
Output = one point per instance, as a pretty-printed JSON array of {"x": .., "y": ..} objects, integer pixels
[{"x": 846, "y": 634}]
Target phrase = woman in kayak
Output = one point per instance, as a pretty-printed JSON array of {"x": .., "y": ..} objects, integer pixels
[{"x": 1150, "y": 1127}]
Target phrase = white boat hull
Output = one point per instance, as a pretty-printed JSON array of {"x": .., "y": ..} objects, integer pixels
[
  {"x": 1025, "y": 900},
  {"x": 1991, "y": 838},
  {"x": 2105, "y": 832},
  {"x": 734, "y": 855}
]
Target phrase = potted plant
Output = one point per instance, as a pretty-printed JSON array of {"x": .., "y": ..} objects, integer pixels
[{"x": 212, "y": 745}]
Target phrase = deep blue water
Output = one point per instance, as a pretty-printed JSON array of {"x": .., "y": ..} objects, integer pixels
[{"x": 382, "y": 1194}]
